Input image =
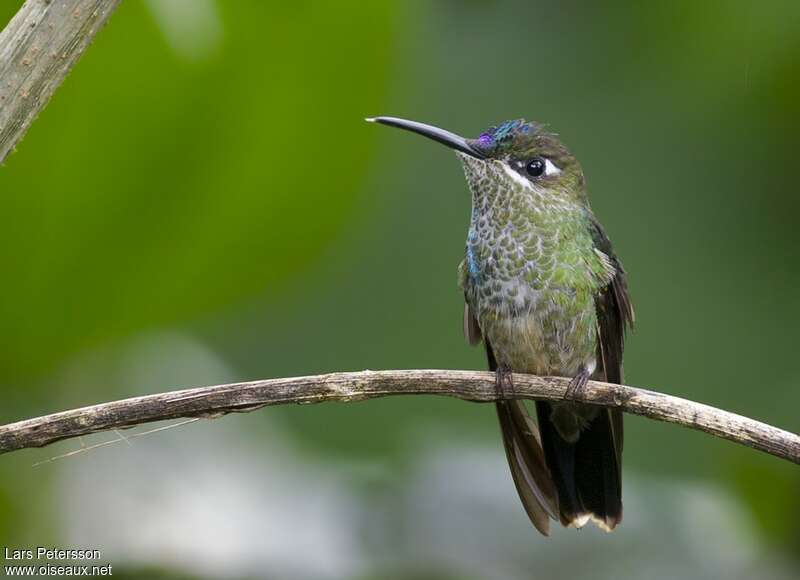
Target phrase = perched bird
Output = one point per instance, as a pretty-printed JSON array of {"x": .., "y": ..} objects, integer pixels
[{"x": 547, "y": 296}]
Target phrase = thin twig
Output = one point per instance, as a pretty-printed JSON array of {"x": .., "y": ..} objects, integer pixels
[
  {"x": 345, "y": 387},
  {"x": 120, "y": 437},
  {"x": 38, "y": 47}
]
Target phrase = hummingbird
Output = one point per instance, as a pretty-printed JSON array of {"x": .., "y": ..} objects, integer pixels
[{"x": 546, "y": 295}]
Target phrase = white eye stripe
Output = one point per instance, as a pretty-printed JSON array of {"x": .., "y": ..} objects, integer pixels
[
  {"x": 520, "y": 177},
  {"x": 550, "y": 168},
  {"x": 515, "y": 176}
]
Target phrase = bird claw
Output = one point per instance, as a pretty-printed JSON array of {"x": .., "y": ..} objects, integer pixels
[
  {"x": 504, "y": 382},
  {"x": 576, "y": 390}
]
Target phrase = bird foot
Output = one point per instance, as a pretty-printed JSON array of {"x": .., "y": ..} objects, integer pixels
[
  {"x": 504, "y": 383},
  {"x": 577, "y": 386}
]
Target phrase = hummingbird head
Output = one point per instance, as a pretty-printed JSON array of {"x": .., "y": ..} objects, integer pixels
[{"x": 517, "y": 155}]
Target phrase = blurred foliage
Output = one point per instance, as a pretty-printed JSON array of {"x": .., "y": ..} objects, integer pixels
[
  {"x": 228, "y": 189},
  {"x": 153, "y": 188}
]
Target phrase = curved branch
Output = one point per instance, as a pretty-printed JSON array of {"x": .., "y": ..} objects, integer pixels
[
  {"x": 345, "y": 387},
  {"x": 38, "y": 48}
]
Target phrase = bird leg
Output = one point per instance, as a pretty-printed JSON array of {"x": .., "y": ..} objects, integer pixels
[
  {"x": 503, "y": 381},
  {"x": 577, "y": 386}
]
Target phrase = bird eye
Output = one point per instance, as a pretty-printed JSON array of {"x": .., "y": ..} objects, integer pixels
[{"x": 536, "y": 167}]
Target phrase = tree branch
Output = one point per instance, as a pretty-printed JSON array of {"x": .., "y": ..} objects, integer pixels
[
  {"x": 345, "y": 387},
  {"x": 38, "y": 47}
]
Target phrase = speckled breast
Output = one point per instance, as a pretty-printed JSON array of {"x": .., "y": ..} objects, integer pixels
[
  {"x": 530, "y": 275},
  {"x": 544, "y": 331}
]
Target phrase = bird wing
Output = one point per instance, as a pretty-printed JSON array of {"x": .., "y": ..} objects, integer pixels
[
  {"x": 472, "y": 332},
  {"x": 614, "y": 316}
]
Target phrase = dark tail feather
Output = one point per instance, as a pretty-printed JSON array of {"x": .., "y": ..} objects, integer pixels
[
  {"x": 526, "y": 460},
  {"x": 560, "y": 456},
  {"x": 586, "y": 473},
  {"x": 597, "y": 474}
]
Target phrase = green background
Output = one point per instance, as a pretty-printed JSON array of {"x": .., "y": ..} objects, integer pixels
[{"x": 202, "y": 202}]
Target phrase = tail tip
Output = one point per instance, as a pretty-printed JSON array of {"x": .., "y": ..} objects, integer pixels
[{"x": 608, "y": 524}]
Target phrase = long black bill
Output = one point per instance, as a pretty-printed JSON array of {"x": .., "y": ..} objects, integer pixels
[{"x": 444, "y": 137}]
